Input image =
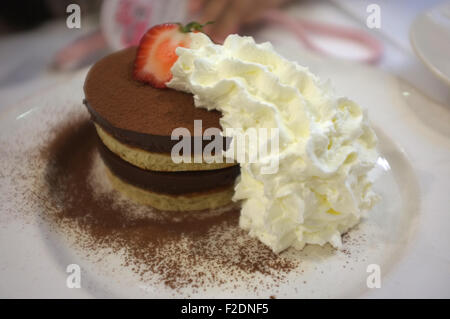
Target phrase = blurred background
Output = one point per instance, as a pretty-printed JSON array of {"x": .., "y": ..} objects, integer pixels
[{"x": 43, "y": 42}]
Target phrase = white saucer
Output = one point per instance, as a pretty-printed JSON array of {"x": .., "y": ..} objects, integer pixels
[
  {"x": 407, "y": 234},
  {"x": 430, "y": 39}
]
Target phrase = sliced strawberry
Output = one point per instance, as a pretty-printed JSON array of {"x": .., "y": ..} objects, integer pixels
[{"x": 156, "y": 53}]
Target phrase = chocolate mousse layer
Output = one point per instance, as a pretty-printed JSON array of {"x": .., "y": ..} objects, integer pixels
[
  {"x": 136, "y": 113},
  {"x": 174, "y": 183}
]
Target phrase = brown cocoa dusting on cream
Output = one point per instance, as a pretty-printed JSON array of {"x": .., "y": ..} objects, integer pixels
[{"x": 193, "y": 250}]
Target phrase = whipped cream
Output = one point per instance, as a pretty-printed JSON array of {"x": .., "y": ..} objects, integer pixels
[{"x": 326, "y": 146}]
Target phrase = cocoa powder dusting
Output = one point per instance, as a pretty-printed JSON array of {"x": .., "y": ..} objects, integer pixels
[
  {"x": 125, "y": 103},
  {"x": 196, "y": 249}
]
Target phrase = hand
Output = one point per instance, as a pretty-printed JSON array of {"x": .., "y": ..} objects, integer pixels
[{"x": 229, "y": 15}]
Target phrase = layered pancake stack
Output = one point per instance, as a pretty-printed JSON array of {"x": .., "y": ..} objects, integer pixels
[{"x": 134, "y": 122}]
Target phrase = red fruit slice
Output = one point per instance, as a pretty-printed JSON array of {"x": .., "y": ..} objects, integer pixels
[{"x": 156, "y": 53}]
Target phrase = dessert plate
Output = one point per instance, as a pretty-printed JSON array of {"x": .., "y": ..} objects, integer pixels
[
  {"x": 430, "y": 39},
  {"x": 404, "y": 238}
]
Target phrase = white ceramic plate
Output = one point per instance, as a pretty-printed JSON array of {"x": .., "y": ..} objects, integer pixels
[
  {"x": 430, "y": 39},
  {"x": 407, "y": 234}
]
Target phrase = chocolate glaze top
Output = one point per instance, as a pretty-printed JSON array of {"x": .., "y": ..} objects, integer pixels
[{"x": 129, "y": 105}]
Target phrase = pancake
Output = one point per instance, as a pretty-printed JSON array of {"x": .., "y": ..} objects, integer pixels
[
  {"x": 136, "y": 113},
  {"x": 134, "y": 123},
  {"x": 214, "y": 198},
  {"x": 168, "y": 182},
  {"x": 153, "y": 160}
]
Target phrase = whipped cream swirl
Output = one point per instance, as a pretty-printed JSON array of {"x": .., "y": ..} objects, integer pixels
[{"x": 326, "y": 146}]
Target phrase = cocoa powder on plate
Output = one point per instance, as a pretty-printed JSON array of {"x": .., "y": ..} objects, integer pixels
[{"x": 194, "y": 249}]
